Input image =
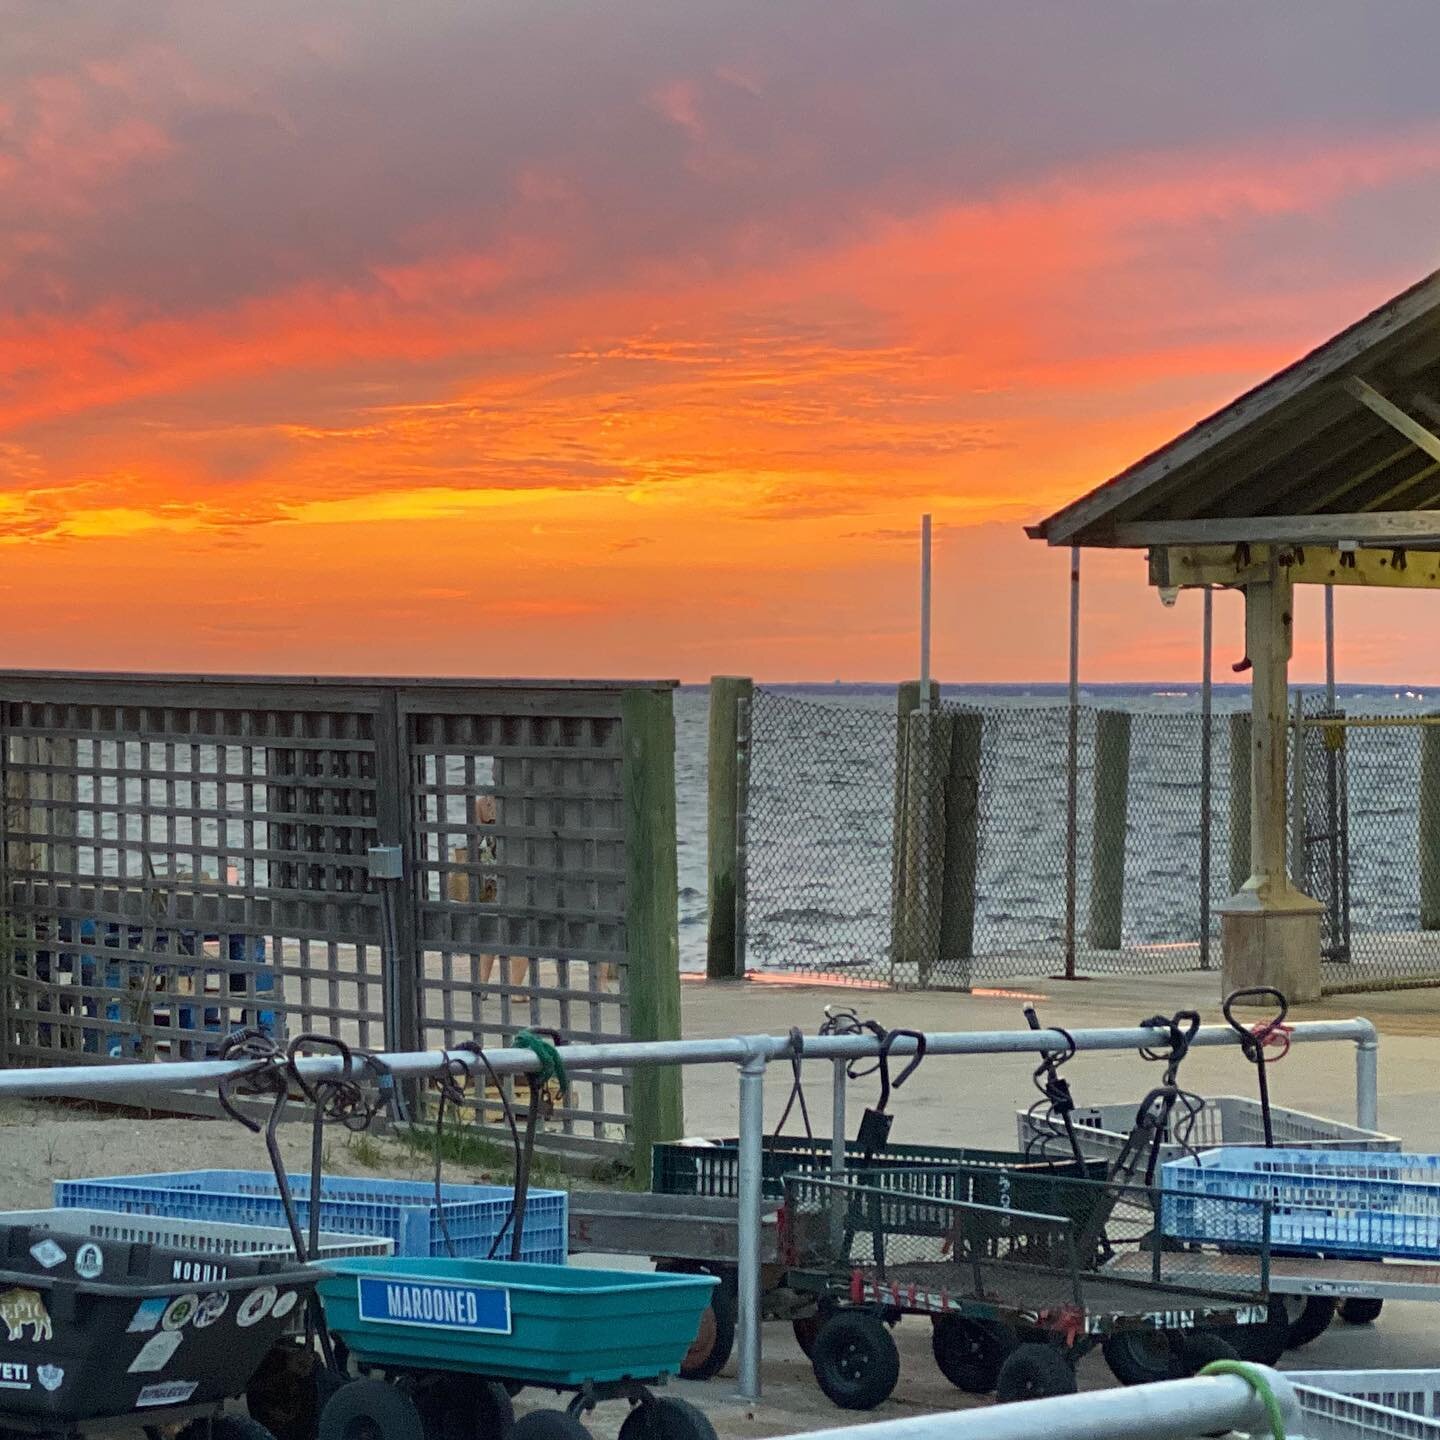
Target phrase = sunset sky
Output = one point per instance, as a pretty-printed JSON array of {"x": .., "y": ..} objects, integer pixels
[{"x": 633, "y": 338}]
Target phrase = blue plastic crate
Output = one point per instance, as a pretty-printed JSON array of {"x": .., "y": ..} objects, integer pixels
[
  {"x": 1351, "y": 1203},
  {"x": 404, "y": 1210}
]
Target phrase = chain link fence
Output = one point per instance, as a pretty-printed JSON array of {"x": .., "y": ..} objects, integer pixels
[
  {"x": 937, "y": 849},
  {"x": 933, "y": 851}
]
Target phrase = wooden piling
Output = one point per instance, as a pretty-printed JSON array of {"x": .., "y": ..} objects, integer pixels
[
  {"x": 960, "y": 862},
  {"x": 1107, "y": 852},
  {"x": 907, "y": 701},
  {"x": 1239, "y": 801},
  {"x": 723, "y": 960},
  {"x": 1429, "y": 822},
  {"x": 927, "y": 760},
  {"x": 647, "y": 777}
]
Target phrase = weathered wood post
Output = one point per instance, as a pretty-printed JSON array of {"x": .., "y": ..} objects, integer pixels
[
  {"x": 723, "y": 959},
  {"x": 1239, "y": 800},
  {"x": 647, "y": 780},
  {"x": 1107, "y": 857},
  {"x": 960, "y": 862},
  {"x": 907, "y": 701},
  {"x": 1299, "y": 860},
  {"x": 1429, "y": 821},
  {"x": 927, "y": 761},
  {"x": 1270, "y": 930}
]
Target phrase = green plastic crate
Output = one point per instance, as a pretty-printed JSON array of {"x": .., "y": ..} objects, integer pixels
[
  {"x": 544, "y": 1324},
  {"x": 678, "y": 1169}
]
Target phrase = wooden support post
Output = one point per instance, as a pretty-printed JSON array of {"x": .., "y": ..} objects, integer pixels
[
  {"x": 1107, "y": 855},
  {"x": 907, "y": 701},
  {"x": 927, "y": 761},
  {"x": 960, "y": 863},
  {"x": 652, "y": 939},
  {"x": 723, "y": 960},
  {"x": 1239, "y": 800},
  {"x": 1429, "y": 818},
  {"x": 1298, "y": 859},
  {"x": 1270, "y": 930}
]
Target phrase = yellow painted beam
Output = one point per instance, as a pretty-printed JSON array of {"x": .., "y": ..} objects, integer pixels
[{"x": 1184, "y": 566}]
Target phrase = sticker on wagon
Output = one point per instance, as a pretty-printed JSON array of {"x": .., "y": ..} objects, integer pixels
[
  {"x": 166, "y": 1392},
  {"x": 482, "y": 1309}
]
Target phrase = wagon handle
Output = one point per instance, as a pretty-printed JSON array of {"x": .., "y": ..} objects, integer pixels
[{"x": 1253, "y": 1040}]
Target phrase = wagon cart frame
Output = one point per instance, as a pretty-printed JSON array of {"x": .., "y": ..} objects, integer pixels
[{"x": 1017, "y": 1290}]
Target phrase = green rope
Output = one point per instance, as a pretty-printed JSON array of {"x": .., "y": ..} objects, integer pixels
[
  {"x": 1254, "y": 1377},
  {"x": 552, "y": 1067}
]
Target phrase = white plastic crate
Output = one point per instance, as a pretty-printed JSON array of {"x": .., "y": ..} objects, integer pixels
[
  {"x": 1368, "y": 1404},
  {"x": 1330, "y": 1202},
  {"x": 1225, "y": 1120},
  {"x": 204, "y": 1237}
]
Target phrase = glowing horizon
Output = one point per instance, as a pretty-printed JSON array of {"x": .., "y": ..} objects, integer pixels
[{"x": 500, "y": 341}]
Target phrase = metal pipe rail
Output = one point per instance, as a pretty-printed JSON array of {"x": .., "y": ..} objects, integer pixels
[
  {"x": 752, "y": 1054},
  {"x": 1170, "y": 1410}
]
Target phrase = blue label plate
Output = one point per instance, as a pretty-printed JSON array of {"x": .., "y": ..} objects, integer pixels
[{"x": 435, "y": 1305}]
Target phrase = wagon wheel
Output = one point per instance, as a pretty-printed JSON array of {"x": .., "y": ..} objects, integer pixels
[
  {"x": 1033, "y": 1372},
  {"x": 856, "y": 1363},
  {"x": 1138, "y": 1357},
  {"x": 1308, "y": 1321},
  {"x": 971, "y": 1352},
  {"x": 464, "y": 1407},
  {"x": 1361, "y": 1310},
  {"x": 664, "y": 1417},
  {"x": 715, "y": 1338},
  {"x": 370, "y": 1410},
  {"x": 1265, "y": 1343},
  {"x": 224, "y": 1427},
  {"x": 549, "y": 1425},
  {"x": 807, "y": 1327},
  {"x": 289, "y": 1390}
]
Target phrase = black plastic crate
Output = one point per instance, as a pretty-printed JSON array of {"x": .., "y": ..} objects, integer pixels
[
  {"x": 92, "y": 1329},
  {"x": 714, "y": 1169}
]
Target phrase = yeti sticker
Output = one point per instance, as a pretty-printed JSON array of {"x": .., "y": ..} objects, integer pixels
[{"x": 19, "y": 1308}]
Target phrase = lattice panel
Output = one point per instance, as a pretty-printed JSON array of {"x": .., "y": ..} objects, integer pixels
[
  {"x": 519, "y": 854},
  {"x": 174, "y": 872}
]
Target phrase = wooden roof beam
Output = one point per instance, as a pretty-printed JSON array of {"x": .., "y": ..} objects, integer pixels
[
  {"x": 1184, "y": 566},
  {"x": 1370, "y": 527},
  {"x": 1394, "y": 416}
]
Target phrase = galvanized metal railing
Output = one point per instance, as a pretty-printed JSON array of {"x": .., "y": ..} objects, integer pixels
[
  {"x": 751, "y": 1054},
  {"x": 1170, "y": 1410}
]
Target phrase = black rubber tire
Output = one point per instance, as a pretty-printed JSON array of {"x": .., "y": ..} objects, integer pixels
[
  {"x": 1032, "y": 1372},
  {"x": 807, "y": 1327},
  {"x": 549, "y": 1425},
  {"x": 1265, "y": 1343},
  {"x": 225, "y": 1426},
  {"x": 1308, "y": 1321},
  {"x": 1200, "y": 1348},
  {"x": 289, "y": 1390},
  {"x": 855, "y": 1360},
  {"x": 666, "y": 1417},
  {"x": 1138, "y": 1357},
  {"x": 1361, "y": 1310},
  {"x": 370, "y": 1410},
  {"x": 970, "y": 1353},
  {"x": 454, "y": 1406},
  {"x": 715, "y": 1339}
]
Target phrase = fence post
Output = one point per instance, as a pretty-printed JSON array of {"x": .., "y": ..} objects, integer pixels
[
  {"x": 927, "y": 756},
  {"x": 1299, "y": 851},
  {"x": 1429, "y": 837},
  {"x": 1107, "y": 856},
  {"x": 723, "y": 960},
  {"x": 652, "y": 939},
  {"x": 907, "y": 701},
  {"x": 1239, "y": 801},
  {"x": 394, "y": 807},
  {"x": 960, "y": 861}
]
